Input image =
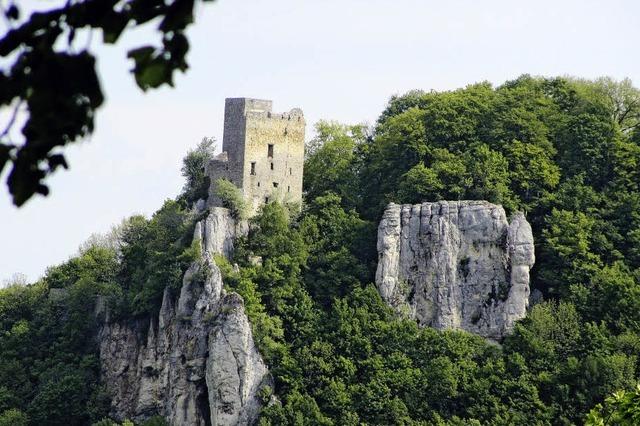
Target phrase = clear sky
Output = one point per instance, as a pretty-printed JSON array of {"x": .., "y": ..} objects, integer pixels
[{"x": 335, "y": 59}]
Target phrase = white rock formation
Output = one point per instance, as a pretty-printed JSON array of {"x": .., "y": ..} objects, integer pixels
[
  {"x": 456, "y": 264},
  {"x": 196, "y": 364}
]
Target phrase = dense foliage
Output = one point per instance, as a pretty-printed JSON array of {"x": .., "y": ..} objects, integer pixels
[
  {"x": 339, "y": 356},
  {"x": 564, "y": 151},
  {"x": 49, "y": 368},
  {"x": 567, "y": 152},
  {"x": 621, "y": 408}
]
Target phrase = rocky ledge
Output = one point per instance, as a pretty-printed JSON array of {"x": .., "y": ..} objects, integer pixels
[
  {"x": 456, "y": 265},
  {"x": 196, "y": 363}
]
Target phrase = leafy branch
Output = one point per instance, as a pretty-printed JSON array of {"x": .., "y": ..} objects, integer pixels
[{"x": 61, "y": 88}]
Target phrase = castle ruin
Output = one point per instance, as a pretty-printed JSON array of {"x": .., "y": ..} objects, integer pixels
[{"x": 262, "y": 153}]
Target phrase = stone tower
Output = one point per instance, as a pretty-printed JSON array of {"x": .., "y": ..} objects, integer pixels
[{"x": 262, "y": 153}]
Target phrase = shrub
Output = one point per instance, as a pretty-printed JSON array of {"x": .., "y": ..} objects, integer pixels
[
  {"x": 621, "y": 408},
  {"x": 193, "y": 170},
  {"x": 13, "y": 417},
  {"x": 231, "y": 198}
]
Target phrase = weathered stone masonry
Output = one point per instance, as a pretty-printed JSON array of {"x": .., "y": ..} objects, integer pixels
[{"x": 263, "y": 152}]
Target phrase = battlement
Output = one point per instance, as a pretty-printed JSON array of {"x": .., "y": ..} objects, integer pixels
[
  {"x": 223, "y": 157},
  {"x": 263, "y": 152},
  {"x": 247, "y": 104},
  {"x": 235, "y": 108}
]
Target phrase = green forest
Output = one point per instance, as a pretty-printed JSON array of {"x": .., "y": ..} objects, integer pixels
[{"x": 565, "y": 151}]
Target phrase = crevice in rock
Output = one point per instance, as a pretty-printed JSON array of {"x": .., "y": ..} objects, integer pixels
[{"x": 202, "y": 403}]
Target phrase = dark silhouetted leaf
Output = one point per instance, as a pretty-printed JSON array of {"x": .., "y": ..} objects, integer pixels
[
  {"x": 179, "y": 15},
  {"x": 12, "y": 12},
  {"x": 112, "y": 26}
]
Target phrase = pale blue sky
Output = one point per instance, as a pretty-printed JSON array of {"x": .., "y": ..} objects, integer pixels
[{"x": 335, "y": 59}]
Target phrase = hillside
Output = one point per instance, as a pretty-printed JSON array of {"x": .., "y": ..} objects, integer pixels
[{"x": 564, "y": 152}]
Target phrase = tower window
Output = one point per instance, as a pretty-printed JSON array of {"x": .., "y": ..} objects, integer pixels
[
  {"x": 258, "y": 184},
  {"x": 253, "y": 168},
  {"x": 271, "y": 166},
  {"x": 288, "y": 189},
  {"x": 275, "y": 184},
  {"x": 270, "y": 150},
  {"x": 289, "y": 170},
  {"x": 266, "y": 200}
]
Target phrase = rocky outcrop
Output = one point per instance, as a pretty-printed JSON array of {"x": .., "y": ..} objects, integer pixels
[
  {"x": 456, "y": 264},
  {"x": 196, "y": 363}
]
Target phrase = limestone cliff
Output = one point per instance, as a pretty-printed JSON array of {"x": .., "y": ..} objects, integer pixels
[
  {"x": 196, "y": 364},
  {"x": 456, "y": 264}
]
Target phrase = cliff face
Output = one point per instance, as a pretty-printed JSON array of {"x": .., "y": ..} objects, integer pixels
[
  {"x": 456, "y": 264},
  {"x": 196, "y": 364}
]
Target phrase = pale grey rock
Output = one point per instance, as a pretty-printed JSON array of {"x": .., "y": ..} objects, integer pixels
[
  {"x": 200, "y": 205},
  {"x": 456, "y": 265},
  {"x": 219, "y": 230},
  {"x": 236, "y": 371},
  {"x": 196, "y": 363}
]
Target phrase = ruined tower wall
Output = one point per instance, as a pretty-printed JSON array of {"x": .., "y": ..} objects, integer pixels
[
  {"x": 264, "y": 152},
  {"x": 234, "y": 136},
  {"x": 277, "y": 172}
]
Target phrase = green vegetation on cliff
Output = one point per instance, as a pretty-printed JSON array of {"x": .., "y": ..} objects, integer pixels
[
  {"x": 567, "y": 152},
  {"x": 49, "y": 367}
]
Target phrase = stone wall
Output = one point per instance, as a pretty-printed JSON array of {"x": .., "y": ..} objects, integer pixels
[
  {"x": 284, "y": 169},
  {"x": 234, "y": 136},
  {"x": 263, "y": 174}
]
